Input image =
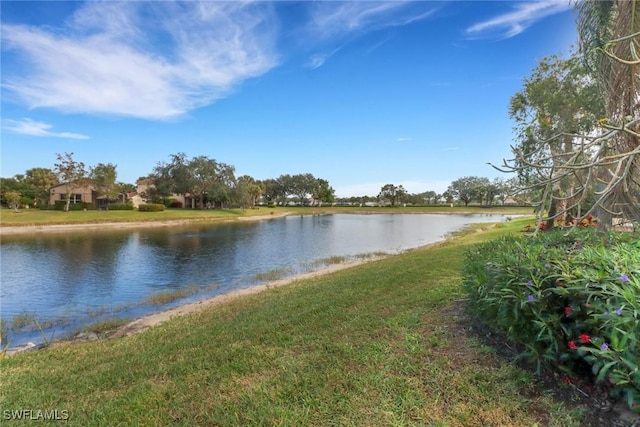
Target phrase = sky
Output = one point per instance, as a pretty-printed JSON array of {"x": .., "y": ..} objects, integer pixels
[{"x": 360, "y": 93}]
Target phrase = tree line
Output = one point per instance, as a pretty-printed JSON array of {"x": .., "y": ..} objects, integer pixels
[{"x": 209, "y": 183}]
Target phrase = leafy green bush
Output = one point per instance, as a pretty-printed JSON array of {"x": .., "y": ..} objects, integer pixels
[
  {"x": 60, "y": 204},
  {"x": 151, "y": 207},
  {"x": 120, "y": 207},
  {"x": 572, "y": 299}
]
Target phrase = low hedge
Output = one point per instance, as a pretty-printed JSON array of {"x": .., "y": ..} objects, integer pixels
[
  {"x": 120, "y": 207},
  {"x": 60, "y": 204},
  {"x": 570, "y": 299},
  {"x": 151, "y": 207}
]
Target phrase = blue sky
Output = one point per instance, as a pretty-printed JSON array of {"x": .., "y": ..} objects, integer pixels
[{"x": 359, "y": 93}]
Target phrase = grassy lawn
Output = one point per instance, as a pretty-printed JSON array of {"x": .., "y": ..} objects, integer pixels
[
  {"x": 384, "y": 343},
  {"x": 39, "y": 217}
]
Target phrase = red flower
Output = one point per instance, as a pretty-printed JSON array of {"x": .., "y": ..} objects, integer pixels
[
  {"x": 584, "y": 338},
  {"x": 572, "y": 345},
  {"x": 567, "y": 310}
]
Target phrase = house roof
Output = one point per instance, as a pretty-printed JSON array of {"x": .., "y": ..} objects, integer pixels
[{"x": 64, "y": 184}]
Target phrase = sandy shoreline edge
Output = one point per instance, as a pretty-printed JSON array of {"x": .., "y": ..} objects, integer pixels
[
  {"x": 143, "y": 323},
  {"x": 57, "y": 228},
  {"x": 148, "y": 321}
]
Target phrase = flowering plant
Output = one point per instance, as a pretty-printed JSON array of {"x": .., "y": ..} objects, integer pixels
[{"x": 572, "y": 299}]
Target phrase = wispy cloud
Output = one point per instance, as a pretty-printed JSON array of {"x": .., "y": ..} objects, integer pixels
[
  {"x": 318, "y": 59},
  {"x": 404, "y": 139},
  {"x": 33, "y": 128},
  {"x": 340, "y": 22},
  {"x": 444, "y": 150},
  {"x": 104, "y": 60},
  {"x": 515, "y": 22}
]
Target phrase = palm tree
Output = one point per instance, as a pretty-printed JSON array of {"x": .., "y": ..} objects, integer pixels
[{"x": 610, "y": 45}]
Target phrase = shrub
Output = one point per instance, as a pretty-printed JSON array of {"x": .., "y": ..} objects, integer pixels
[
  {"x": 120, "y": 207},
  {"x": 60, "y": 204},
  {"x": 572, "y": 299},
  {"x": 176, "y": 204},
  {"x": 151, "y": 207}
]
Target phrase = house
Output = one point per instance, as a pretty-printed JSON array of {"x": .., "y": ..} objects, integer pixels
[
  {"x": 85, "y": 193},
  {"x": 78, "y": 194}
]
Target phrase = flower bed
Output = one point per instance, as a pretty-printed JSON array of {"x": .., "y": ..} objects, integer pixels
[{"x": 570, "y": 298}]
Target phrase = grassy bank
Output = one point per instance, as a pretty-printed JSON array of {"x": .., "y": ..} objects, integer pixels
[
  {"x": 383, "y": 343},
  {"x": 37, "y": 217}
]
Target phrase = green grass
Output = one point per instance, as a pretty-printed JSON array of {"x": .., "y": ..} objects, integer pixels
[
  {"x": 45, "y": 217},
  {"x": 25, "y": 217},
  {"x": 384, "y": 343},
  {"x": 105, "y": 326}
]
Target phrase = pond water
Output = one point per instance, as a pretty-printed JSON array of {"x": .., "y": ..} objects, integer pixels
[{"x": 67, "y": 280}]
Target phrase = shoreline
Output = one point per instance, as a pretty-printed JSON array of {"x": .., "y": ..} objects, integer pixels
[
  {"x": 148, "y": 321},
  {"x": 143, "y": 323},
  {"x": 60, "y": 228}
]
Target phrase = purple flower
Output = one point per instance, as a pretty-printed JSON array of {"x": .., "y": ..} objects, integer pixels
[
  {"x": 606, "y": 313},
  {"x": 624, "y": 278},
  {"x": 529, "y": 283},
  {"x": 618, "y": 311},
  {"x": 530, "y": 297},
  {"x": 547, "y": 265},
  {"x": 604, "y": 346}
]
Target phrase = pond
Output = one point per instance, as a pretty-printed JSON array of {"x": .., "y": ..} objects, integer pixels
[{"x": 54, "y": 284}]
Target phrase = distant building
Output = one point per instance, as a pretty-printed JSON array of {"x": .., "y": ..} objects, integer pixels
[
  {"x": 77, "y": 194},
  {"x": 81, "y": 194}
]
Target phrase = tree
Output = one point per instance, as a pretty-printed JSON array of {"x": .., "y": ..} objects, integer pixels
[
  {"x": 392, "y": 193},
  {"x": 13, "y": 200},
  {"x": 466, "y": 189},
  {"x": 448, "y": 197},
  {"x": 430, "y": 197},
  {"x": 205, "y": 180},
  {"x": 41, "y": 180},
  {"x": 610, "y": 42},
  {"x": 125, "y": 188},
  {"x": 302, "y": 185},
  {"x": 592, "y": 169},
  {"x": 18, "y": 184},
  {"x": 272, "y": 190},
  {"x": 71, "y": 173},
  {"x": 256, "y": 190},
  {"x": 559, "y": 101},
  {"x": 201, "y": 178},
  {"x": 503, "y": 189},
  {"x": 285, "y": 185},
  {"x": 322, "y": 192},
  {"x": 483, "y": 191},
  {"x": 103, "y": 177},
  {"x": 220, "y": 193},
  {"x": 247, "y": 191}
]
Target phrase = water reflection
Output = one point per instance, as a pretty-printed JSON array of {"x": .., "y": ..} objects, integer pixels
[{"x": 73, "y": 275}]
